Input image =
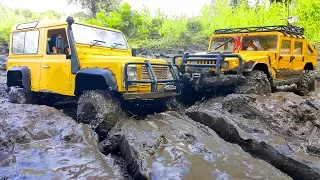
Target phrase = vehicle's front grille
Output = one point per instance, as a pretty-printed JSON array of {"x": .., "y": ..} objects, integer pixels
[
  {"x": 161, "y": 72},
  {"x": 205, "y": 62}
]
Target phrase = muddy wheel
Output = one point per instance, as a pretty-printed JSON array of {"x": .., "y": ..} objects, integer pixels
[
  {"x": 188, "y": 95},
  {"x": 100, "y": 109},
  {"x": 19, "y": 95},
  {"x": 306, "y": 84},
  {"x": 173, "y": 105},
  {"x": 257, "y": 82}
]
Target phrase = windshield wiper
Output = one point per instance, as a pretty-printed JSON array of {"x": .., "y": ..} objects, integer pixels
[
  {"x": 96, "y": 42},
  {"x": 223, "y": 44},
  {"x": 116, "y": 45}
]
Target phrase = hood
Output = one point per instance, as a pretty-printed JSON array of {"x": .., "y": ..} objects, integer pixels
[{"x": 119, "y": 59}]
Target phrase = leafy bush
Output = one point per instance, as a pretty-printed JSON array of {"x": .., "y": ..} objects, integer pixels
[{"x": 162, "y": 33}]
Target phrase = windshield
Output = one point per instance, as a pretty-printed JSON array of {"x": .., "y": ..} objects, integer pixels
[
  {"x": 98, "y": 37},
  {"x": 224, "y": 44},
  {"x": 248, "y": 43}
]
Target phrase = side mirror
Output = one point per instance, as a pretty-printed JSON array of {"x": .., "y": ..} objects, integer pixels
[
  {"x": 60, "y": 43},
  {"x": 134, "y": 52}
]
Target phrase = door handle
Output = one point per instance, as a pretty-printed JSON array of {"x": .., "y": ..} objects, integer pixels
[
  {"x": 292, "y": 58},
  {"x": 46, "y": 67}
]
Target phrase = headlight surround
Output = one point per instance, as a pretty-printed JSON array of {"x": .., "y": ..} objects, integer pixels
[
  {"x": 225, "y": 65},
  {"x": 132, "y": 73}
]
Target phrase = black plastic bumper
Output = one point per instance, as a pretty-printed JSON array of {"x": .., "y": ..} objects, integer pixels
[{"x": 171, "y": 87}]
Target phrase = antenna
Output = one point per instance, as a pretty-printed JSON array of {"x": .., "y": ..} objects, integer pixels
[
  {"x": 288, "y": 4},
  {"x": 290, "y": 19}
]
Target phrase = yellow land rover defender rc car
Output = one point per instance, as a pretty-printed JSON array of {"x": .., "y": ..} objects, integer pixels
[
  {"x": 250, "y": 60},
  {"x": 93, "y": 64}
]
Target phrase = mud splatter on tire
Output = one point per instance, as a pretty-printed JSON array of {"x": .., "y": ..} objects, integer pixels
[
  {"x": 99, "y": 109},
  {"x": 20, "y": 96},
  {"x": 306, "y": 84},
  {"x": 257, "y": 83}
]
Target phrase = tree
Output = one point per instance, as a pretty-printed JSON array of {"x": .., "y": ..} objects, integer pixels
[{"x": 93, "y": 6}]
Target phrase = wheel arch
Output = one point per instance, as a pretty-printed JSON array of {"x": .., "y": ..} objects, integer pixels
[
  {"x": 19, "y": 76},
  {"x": 262, "y": 67},
  {"x": 93, "y": 79},
  {"x": 309, "y": 66}
]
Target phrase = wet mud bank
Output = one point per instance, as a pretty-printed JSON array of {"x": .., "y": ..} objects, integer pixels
[
  {"x": 41, "y": 142},
  {"x": 281, "y": 129},
  {"x": 172, "y": 146}
]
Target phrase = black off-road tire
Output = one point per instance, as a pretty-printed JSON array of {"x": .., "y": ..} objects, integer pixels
[
  {"x": 19, "y": 95},
  {"x": 100, "y": 109},
  {"x": 188, "y": 95},
  {"x": 173, "y": 104},
  {"x": 306, "y": 84},
  {"x": 257, "y": 82}
]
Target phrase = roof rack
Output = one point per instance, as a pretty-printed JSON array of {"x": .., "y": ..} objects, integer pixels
[{"x": 289, "y": 29}]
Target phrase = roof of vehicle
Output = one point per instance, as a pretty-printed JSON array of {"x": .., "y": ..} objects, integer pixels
[
  {"x": 284, "y": 29},
  {"x": 49, "y": 23}
]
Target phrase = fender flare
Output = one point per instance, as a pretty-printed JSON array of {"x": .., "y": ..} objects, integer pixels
[
  {"x": 25, "y": 77},
  {"x": 107, "y": 75}
]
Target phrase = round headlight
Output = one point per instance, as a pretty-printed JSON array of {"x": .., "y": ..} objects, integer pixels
[
  {"x": 132, "y": 73},
  {"x": 225, "y": 65}
]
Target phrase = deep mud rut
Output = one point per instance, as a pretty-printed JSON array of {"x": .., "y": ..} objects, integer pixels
[{"x": 233, "y": 137}]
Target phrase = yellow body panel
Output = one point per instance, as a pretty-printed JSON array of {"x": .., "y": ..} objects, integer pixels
[
  {"x": 297, "y": 64},
  {"x": 52, "y": 72}
]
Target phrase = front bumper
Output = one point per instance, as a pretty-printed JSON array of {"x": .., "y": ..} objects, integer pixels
[
  {"x": 169, "y": 87},
  {"x": 213, "y": 81}
]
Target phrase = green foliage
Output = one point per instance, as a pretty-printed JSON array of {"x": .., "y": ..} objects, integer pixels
[
  {"x": 162, "y": 32},
  {"x": 93, "y": 6}
]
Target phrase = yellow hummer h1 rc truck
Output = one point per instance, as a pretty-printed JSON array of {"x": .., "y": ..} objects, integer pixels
[
  {"x": 250, "y": 60},
  {"x": 93, "y": 64}
]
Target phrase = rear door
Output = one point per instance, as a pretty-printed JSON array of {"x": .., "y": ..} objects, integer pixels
[
  {"x": 297, "y": 62},
  {"x": 25, "y": 51},
  {"x": 285, "y": 59}
]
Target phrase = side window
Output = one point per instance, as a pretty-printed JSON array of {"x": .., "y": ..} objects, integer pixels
[
  {"x": 57, "y": 42},
  {"x": 297, "y": 48},
  {"x": 18, "y": 42},
  {"x": 310, "y": 50},
  {"x": 285, "y": 48},
  {"x": 25, "y": 42}
]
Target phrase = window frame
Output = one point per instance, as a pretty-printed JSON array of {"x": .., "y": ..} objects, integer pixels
[
  {"x": 294, "y": 48},
  {"x": 47, "y": 44},
  {"x": 290, "y": 47},
  {"x": 24, "y": 42}
]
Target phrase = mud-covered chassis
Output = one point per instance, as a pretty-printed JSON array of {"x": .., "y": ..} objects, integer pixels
[{"x": 196, "y": 70}]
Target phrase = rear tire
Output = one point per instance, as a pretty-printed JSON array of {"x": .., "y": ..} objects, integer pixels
[
  {"x": 100, "y": 110},
  {"x": 306, "y": 84},
  {"x": 19, "y": 95},
  {"x": 257, "y": 82}
]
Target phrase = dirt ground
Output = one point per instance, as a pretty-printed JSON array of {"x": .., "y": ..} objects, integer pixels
[{"x": 233, "y": 137}]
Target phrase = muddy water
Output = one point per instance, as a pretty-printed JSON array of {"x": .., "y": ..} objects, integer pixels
[
  {"x": 279, "y": 129},
  {"x": 39, "y": 142},
  {"x": 172, "y": 146}
]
